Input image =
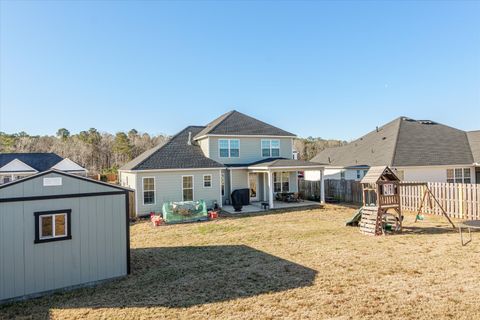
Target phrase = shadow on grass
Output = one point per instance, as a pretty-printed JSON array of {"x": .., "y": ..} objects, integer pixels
[
  {"x": 181, "y": 277},
  {"x": 428, "y": 230},
  {"x": 240, "y": 215}
]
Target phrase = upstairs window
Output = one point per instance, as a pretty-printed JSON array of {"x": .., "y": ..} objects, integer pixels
[
  {"x": 358, "y": 174},
  {"x": 229, "y": 148},
  {"x": 148, "y": 190},
  {"x": 270, "y": 148},
  {"x": 52, "y": 225},
  {"x": 342, "y": 175}
]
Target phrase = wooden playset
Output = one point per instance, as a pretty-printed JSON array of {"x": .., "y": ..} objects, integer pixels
[{"x": 381, "y": 193}]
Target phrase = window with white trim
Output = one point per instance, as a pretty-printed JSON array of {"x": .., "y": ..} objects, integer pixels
[
  {"x": 207, "y": 181},
  {"x": 358, "y": 174},
  {"x": 270, "y": 148},
  {"x": 281, "y": 182},
  {"x": 459, "y": 175},
  {"x": 342, "y": 174},
  {"x": 52, "y": 225},
  {"x": 187, "y": 188},
  {"x": 149, "y": 190},
  {"x": 229, "y": 148}
]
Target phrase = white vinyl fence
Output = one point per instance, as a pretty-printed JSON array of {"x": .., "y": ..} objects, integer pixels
[{"x": 459, "y": 200}]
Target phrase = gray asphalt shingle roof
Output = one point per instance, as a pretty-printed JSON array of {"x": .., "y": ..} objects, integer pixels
[
  {"x": 38, "y": 161},
  {"x": 404, "y": 142},
  {"x": 474, "y": 141},
  {"x": 237, "y": 123},
  {"x": 175, "y": 154}
]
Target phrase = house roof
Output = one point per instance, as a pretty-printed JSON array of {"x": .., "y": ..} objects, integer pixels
[
  {"x": 38, "y": 161},
  {"x": 375, "y": 174},
  {"x": 474, "y": 141},
  {"x": 404, "y": 142},
  {"x": 276, "y": 163},
  {"x": 177, "y": 153},
  {"x": 283, "y": 163},
  {"x": 237, "y": 123}
]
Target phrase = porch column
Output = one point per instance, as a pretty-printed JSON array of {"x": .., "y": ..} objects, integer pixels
[
  {"x": 270, "y": 189},
  {"x": 322, "y": 187}
]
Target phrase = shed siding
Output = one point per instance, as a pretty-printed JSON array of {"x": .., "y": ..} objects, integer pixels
[
  {"x": 250, "y": 150},
  {"x": 168, "y": 187},
  {"x": 97, "y": 250}
]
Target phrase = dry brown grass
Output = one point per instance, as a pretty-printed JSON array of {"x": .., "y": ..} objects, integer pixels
[{"x": 296, "y": 265}]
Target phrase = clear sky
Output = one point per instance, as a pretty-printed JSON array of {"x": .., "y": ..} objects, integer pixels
[{"x": 328, "y": 69}]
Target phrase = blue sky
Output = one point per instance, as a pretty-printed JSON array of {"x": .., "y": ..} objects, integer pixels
[{"x": 328, "y": 69}]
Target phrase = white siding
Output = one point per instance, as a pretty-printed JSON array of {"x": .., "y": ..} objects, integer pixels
[
  {"x": 431, "y": 174},
  {"x": 239, "y": 179},
  {"x": 205, "y": 146}
]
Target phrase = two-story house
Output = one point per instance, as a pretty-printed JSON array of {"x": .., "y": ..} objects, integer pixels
[{"x": 235, "y": 151}]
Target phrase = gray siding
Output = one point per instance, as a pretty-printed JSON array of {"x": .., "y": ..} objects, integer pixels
[
  {"x": 239, "y": 179},
  {"x": 250, "y": 150},
  {"x": 168, "y": 187},
  {"x": 97, "y": 250}
]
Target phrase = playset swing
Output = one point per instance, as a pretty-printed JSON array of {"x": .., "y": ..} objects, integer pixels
[{"x": 381, "y": 196}]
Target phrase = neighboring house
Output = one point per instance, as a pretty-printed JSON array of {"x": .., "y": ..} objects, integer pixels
[
  {"x": 60, "y": 230},
  {"x": 209, "y": 162},
  {"x": 418, "y": 150},
  {"x": 14, "y": 166}
]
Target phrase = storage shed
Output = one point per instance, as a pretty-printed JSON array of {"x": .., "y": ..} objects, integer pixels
[{"x": 59, "y": 230}]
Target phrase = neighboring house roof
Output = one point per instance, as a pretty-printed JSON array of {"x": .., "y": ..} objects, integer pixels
[
  {"x": 375, "y": 174},
  {"x": 177, "y": 153},
  {"x": 403, "y": 142},
  {"x": 237, "y": 123},
  {"x": 474, "y": 141},
  {"x": 38, "y": 161}
]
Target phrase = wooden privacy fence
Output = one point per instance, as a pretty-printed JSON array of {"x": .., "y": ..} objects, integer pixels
[
  {"x": 310, "y": 190},
  {"x": 344, "y": 190},
  {"x": 459, "y": 200}
]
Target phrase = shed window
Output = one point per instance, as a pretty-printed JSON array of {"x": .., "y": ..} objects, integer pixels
[
  {"x": 52, "y": 225},
  {"x": 148, "y": 190}
]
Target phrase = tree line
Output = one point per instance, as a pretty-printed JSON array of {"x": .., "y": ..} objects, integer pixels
[
  {"x": 101, "y": 152},
  {"x": 98, "y": 152}
]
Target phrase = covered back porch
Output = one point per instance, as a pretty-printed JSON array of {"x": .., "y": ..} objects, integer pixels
[{"x": 273, "y": 183}]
